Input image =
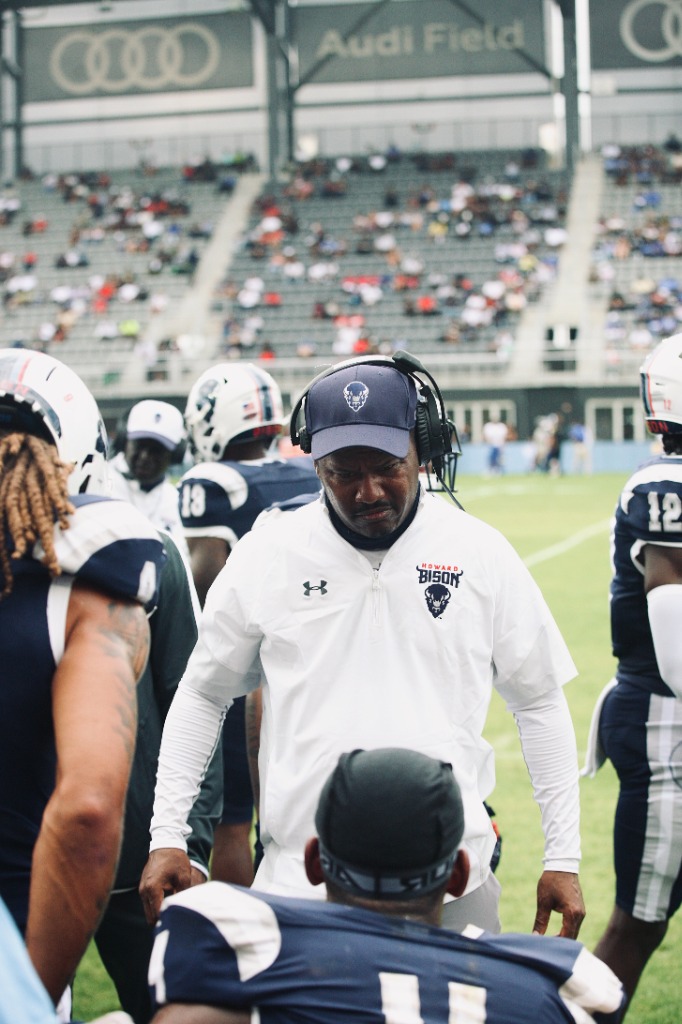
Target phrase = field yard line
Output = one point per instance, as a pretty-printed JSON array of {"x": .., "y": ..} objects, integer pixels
[{"x": 570, "y": 542}]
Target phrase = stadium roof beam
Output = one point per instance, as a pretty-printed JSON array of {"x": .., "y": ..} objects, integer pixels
[
  {"x": 281, "y": 43},
  {"x": 569, "y": 84},
  {"x": 355, "y": 27},
  {"x": 11, "y": 82},
  {"x": 11, "y": 79},
  {"x": 275, "y": 17}
]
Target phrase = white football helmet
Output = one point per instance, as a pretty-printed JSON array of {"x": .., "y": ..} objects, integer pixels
[
  {"x": 42, "y": 396},
  {"x": 661, "y": 387},
  {"x": 232, "y": 403}
]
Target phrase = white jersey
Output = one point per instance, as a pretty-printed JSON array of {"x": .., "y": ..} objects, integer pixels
[
  {"x": 159, "y": 505},
  {"x": 355, "y": 656},
  {"x": 495, "y": 434}
]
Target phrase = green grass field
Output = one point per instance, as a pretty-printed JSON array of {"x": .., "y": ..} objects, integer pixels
[{"x": 560, "y": 527}]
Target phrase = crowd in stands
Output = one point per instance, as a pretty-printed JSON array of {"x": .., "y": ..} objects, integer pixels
[
  {"x": 341, "y": 256},
  {"x": 637, "y": 253},
  {"x": 345, "y": 254},
  {"x": 95, "y": 251}
]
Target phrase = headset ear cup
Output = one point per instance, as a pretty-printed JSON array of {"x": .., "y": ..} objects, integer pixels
[
  {"x": 423, "y": 435},
  {"x": 298, "y": 434},
  {"x": 303, "y": 441},
  {"x": 439, "y": 436}
]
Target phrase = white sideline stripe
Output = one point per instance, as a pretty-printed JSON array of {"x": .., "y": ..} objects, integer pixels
[{"x": 565, "y": 545}]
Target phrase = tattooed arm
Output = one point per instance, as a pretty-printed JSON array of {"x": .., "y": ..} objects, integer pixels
[{"x": 95, "y": 717}]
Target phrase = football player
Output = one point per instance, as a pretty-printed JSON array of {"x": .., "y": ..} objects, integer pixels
[
  {"x": 77, "y": 573},
  {"x": 233, "y": 416},
  {"x": 153, "y": 441},
  {"x": 389, "y": 825},
  {"x": 640, "y": 725}
]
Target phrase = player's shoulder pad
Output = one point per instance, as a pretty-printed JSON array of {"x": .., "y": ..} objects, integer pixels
[
  {"x": 274, "y": 511},
  {"x": 291, "y": 504},
  {"x": 244, "y": 918},
  {"x": 112, "y": 546},
  {"x": 222, "y": 474}
]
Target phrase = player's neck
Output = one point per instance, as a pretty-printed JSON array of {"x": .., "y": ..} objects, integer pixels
[
  {"x": 423, "y": 914},
  {"x": 245, "y": 452}
]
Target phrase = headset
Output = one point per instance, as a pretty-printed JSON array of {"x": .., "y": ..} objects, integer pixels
[{"x": 436, "y": 437}]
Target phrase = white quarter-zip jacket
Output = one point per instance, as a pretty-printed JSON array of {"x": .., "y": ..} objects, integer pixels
[{"x": 353, "y": 656}]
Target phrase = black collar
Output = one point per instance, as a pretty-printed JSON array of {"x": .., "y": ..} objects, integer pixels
[{"x": 372, "y": 543}]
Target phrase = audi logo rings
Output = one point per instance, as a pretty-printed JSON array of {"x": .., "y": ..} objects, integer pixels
[
  {"x": 671, "y": 30},
  {"x": 121, "y": 59}
]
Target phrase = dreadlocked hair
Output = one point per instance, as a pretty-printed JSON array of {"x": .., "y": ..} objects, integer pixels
[{"x": 33, "y": 497}]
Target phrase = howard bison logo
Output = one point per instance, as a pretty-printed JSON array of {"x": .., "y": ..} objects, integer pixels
[
  {"x": 437, "y": 599},
  {"x": 355, "y": 394}
]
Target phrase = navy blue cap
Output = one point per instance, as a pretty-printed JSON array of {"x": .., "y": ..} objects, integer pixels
[
  {"x": 389, "y": 823},
  {"x": 360, "y": 406}
]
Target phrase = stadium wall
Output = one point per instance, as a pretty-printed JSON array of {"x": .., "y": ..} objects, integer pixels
[
  {"x": 604, "y": 457},
  {"x": 419, "y": 74}
]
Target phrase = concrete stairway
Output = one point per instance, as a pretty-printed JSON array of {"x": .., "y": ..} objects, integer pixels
[
  {"x": 569, "y": 301},
  {"x": 192, "y": 314}
]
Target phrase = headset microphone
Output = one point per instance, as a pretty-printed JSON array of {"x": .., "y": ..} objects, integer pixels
[{"x": 436, "y": 436}]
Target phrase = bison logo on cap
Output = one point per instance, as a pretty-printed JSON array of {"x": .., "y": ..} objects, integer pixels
[{"x": 355, "y": 394}]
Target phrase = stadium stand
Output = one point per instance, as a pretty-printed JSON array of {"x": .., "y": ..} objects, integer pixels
[
  {"x": 441, "y": 252},
  {"x": 435, "y": 250},
  {"x": 478, "y": 262},
  {"x": 93, "y": 267},
  {"x": 636, "y": 259}
]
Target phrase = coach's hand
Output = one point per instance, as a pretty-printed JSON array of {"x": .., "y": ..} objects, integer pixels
[
  {"x": 167, "y": 871},
  {"x": 560, "y": 891}
]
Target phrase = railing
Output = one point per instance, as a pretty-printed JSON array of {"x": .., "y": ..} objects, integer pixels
[{"x": 454, "y": 372}]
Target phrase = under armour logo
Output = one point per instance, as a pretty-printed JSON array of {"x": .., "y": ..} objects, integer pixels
[{"x": 308, "y": 588}]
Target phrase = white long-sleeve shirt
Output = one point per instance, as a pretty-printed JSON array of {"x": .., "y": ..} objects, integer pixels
[{"x": 354, "y": 656}]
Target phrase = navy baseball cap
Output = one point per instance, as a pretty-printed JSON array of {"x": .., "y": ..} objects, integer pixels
[
  {"x": 369, "y": 406},
  {"x": 389, "y": 823}
]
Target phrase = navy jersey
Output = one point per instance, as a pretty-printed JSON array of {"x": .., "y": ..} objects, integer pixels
[
  {"x": 27, "y": 752},
  {"x": 110, "y": 546},
  {"x": 307, "y": 961},
  {"x": 223, "y": 499},
  {"x": 649, "y": 512}
]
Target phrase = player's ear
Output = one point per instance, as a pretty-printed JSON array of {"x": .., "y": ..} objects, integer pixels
[
  {"x": 459, "y": 875},
  {"x": 313, "y": 867}
]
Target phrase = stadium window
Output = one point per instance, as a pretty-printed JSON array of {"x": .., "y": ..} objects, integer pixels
[
  {"x": 467, "y": 423},
  {"x": 617, "y": 420},
  {"x": 471, "y": 417},
  {"x": 603, "y": 423},
  {"x": 628, "y": 423}
]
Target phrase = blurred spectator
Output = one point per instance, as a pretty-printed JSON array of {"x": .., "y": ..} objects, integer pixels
[{"x": 495, "y": 434}]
